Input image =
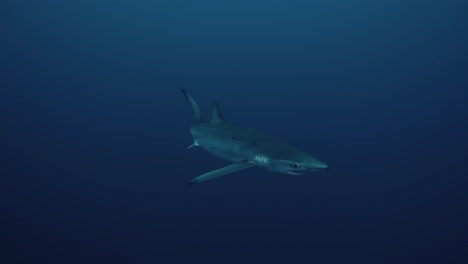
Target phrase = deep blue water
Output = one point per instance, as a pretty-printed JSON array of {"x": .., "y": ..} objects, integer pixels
[{"x": 95, "y": 130}]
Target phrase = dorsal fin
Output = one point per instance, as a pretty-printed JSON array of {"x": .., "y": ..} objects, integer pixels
[{"x": 217, "y": 114}]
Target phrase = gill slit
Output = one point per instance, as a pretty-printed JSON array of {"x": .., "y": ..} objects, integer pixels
[{"x": 260, "y": 160}]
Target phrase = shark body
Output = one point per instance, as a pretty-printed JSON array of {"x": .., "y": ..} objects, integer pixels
[{"x": 245, "y": 147}]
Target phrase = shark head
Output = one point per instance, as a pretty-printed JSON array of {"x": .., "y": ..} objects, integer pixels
[{"x": 296, "y": 163}]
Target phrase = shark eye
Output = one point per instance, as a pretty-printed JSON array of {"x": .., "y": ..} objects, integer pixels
[{"x": 294, "y": 165}]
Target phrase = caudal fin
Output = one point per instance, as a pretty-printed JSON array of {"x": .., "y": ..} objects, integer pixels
[{"x": 193, "y": 106}]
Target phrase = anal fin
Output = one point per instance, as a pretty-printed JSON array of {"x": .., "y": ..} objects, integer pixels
[{"x": 222, "y": 171}]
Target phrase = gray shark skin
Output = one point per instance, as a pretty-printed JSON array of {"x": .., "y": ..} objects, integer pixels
[{"x": 245, "y": 147}]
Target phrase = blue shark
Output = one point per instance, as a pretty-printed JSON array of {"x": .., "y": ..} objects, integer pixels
[{"x": 244, "y": 147}]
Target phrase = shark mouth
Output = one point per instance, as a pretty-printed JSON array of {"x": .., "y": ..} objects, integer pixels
[
  {"x": 301, "y": 172},
  {"x": 295, "y": 173}
]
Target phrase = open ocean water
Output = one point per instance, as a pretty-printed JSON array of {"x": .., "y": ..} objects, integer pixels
[{"x": 95, "y": 130}]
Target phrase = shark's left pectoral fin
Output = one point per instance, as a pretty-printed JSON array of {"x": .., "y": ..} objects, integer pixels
[{"x": 222, "y": 171}]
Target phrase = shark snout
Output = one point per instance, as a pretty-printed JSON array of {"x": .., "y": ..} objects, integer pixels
[
  {"x": 322, "y": 165},
  {"x": 318, "y": 165}
]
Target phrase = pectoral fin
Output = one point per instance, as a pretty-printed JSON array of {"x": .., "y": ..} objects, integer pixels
[{"x": 222, "y": 171}]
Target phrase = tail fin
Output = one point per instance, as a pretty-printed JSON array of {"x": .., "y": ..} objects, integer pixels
[{"x": 193, "y": 106}]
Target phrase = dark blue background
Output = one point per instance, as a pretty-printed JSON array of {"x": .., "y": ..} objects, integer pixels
[{"x": 95, "y": 130}]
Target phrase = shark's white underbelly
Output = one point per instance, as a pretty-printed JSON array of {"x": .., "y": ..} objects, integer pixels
[
  {"x": 230, "y": 145},
  {"x": 226, "y": 149}
]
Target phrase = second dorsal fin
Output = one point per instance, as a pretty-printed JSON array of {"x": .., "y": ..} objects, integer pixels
[{"x": 217, "y": 114}]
